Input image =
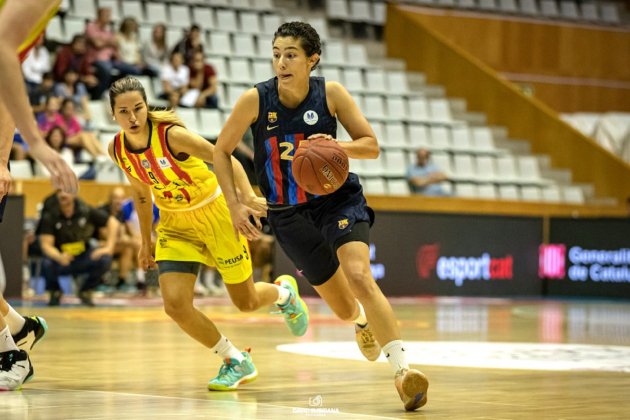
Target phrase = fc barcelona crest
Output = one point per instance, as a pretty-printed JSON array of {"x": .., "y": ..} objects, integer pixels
[{"x": 272, "y": 117}]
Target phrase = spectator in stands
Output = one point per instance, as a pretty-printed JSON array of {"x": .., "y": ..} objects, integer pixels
[
  {"x": 36, "y": 64},
  {"x": 202, "y": 87},
  {"x": 126, "y": 246},
  {"x": 129, "y": 46},
  {"x": 72, "y": 88},
  {"x": 56, "y": 139},
  {"x": 103, "y": 51},
  {"x": 39, "y": 96},
  {"x": 175, "y": 77},
  {"x": 50, "y": 117},
  {"x": 425, "y": 177},
  {"x": 154, "y": 52},
  {"x": 74, "y": 56},
  {"x": 77, "y": 138},
  {"x": 190, "y": 44},
  {"x": 65, "y": 233}
]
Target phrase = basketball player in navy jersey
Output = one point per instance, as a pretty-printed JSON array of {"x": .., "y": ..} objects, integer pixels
[{"x": 326, "y": 237}]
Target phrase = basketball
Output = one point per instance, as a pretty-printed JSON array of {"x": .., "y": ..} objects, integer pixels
[{"x": 320, "y": 166}]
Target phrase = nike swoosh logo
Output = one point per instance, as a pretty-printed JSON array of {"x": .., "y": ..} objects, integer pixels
[{"x": 269, "y": 128}]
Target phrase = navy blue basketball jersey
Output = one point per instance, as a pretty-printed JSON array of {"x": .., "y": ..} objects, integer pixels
[{"x": 277, "y": 134}]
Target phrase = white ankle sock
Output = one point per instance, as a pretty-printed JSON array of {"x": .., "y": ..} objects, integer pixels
[
  {"x": 226, "y": 350},
  {"x": 395, "y": 354},
  {"x": 361, "y": 320},
  {"x": 6, "y": 341},
  {"x": 14, "y": 320},
  {"x": 283, "y": 295}
]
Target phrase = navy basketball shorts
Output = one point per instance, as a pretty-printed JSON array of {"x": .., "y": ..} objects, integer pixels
[
  {"x": 311, "y": 233},
  {"x": 3, "y": 204}
]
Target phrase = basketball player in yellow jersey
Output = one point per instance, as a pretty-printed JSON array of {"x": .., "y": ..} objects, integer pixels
[
  {"x": 158, "y": 154},
  {"x": 21, "y": 23}
]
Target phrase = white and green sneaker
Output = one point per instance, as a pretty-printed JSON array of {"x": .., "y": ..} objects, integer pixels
[
  {"x": 234, "y": 373},
  {"x": 295, "y": 310}
]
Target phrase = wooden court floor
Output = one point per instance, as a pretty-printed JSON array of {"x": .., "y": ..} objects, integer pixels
[{"x": 485, "y": 358}]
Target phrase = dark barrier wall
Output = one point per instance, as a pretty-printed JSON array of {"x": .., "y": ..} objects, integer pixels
[
  {"x": 420, "y": 254},
  {"x": 588, "y": 257},
  {"x": 11, "y": 233}
]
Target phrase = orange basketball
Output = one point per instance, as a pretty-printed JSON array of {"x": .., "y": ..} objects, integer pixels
[{"x": 320, "y": 166}]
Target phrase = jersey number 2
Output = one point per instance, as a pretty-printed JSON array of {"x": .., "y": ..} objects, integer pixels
[{"x": 287, "y": 150}]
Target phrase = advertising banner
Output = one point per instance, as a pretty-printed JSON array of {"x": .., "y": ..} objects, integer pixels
[
  {"x": 587, "y": 257},
  {"x": 454, "y": 255}
]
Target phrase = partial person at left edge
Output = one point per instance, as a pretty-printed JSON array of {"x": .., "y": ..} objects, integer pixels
[{"x": 19, "y": 334}]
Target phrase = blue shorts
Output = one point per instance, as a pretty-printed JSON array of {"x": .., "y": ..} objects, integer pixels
[{"x": 310, "y": 233}]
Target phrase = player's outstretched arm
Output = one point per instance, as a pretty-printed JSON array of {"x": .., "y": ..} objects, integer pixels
[
  {"x": 12, "y": 91},
  {"x": 243, "y": 115}
]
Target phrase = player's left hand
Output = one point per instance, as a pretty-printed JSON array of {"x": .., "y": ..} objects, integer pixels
[
  {"x": 323, "y": 136},
  {"x": 241, "y": 215}
]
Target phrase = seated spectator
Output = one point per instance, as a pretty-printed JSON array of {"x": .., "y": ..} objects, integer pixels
[
  {"x": 77, "y": 138},
  {"x": 74, "y": 89},
  {"x": 50, "y": 117},
  {"x": 56, "y": 139},
  {"x": 202, "y": 87},
  {"x": 39, "y": 96},
  {"x": 74, "y": 56},
  {"x": 129, "y": 46},
  {"x": 127, "y": 245},
  {"x": 36, "y": 64},
  {"x": 65, "y": 231},
  {"x": 190, "y": 44},
  {"x": 425, "y": 177},
  {"x": 103, "y": 52},
  {"x": 154, "y": 52},
  {"x": 175, "y": 77}
]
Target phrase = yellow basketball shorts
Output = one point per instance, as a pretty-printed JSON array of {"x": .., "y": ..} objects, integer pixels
[{"x": 204, "y": 235}]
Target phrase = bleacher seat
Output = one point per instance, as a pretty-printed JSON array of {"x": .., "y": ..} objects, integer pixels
[
  {"x": 531, "y": 193},
  {"x": 509, "y": 192},
  {"x": 85, "y": 9},
  {"x": 133, "y": 8},
  {"x": 113, "y": 6},
  {"x": 226, "y": 20},
  {"x": 488, "y": 191},
  {"x": 529, "y": 7},
  {"x": 240, "y": 70},
  {"x": 396, "y": 135},
  {"x": 609, "y": 13},
  {"x": 376, "y": 81},
  {"x": 572, "y": 194},
  {"x": 374, "y": 186},
  {"x": 440, "y": 138},
  {"x": 244, "y": 45},
  {"x": 156, "y": 13},
  {"x": 466, "y": 190},
  {"x": 549, "y": 8},
  {"x": 220, "y": 43},
  {"x": 250, "y": 22},
  {"x": 486, "y": 168},
  {"x": 463, "y": 167},
  {"x": 210, "y": 123},
  {"x": 569, "y": 10},
  {"x": 551, "y": 194},
  {"x": 179, "y": 16},
  {"x": 418, "y": 136},
  {"x": 21, "y": 169},
  {"x": 397, "y": 187}
]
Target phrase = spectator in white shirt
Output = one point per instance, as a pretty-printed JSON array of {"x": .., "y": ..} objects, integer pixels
[
  {"x": 175, "y": 77},
  {"x": 154, "y": 52},
  {"x": 37, "y": 63}
]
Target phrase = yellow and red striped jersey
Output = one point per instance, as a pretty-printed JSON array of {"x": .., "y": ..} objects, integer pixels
[
  {"x": 36, "y": 32},
  {"x": 177, "y": 184}
]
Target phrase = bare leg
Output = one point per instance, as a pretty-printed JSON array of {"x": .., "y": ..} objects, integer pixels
[
  {"x": 355, "y": 262},
  {"x": 178, "y": 292},
  {"x": 249, "y": 296}
]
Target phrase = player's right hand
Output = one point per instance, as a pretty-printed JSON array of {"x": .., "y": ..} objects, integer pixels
[
  {"x": 145, "y": 258},
  {"x": 240, "y": 214},
  {"x": 61, "y": 174}
]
